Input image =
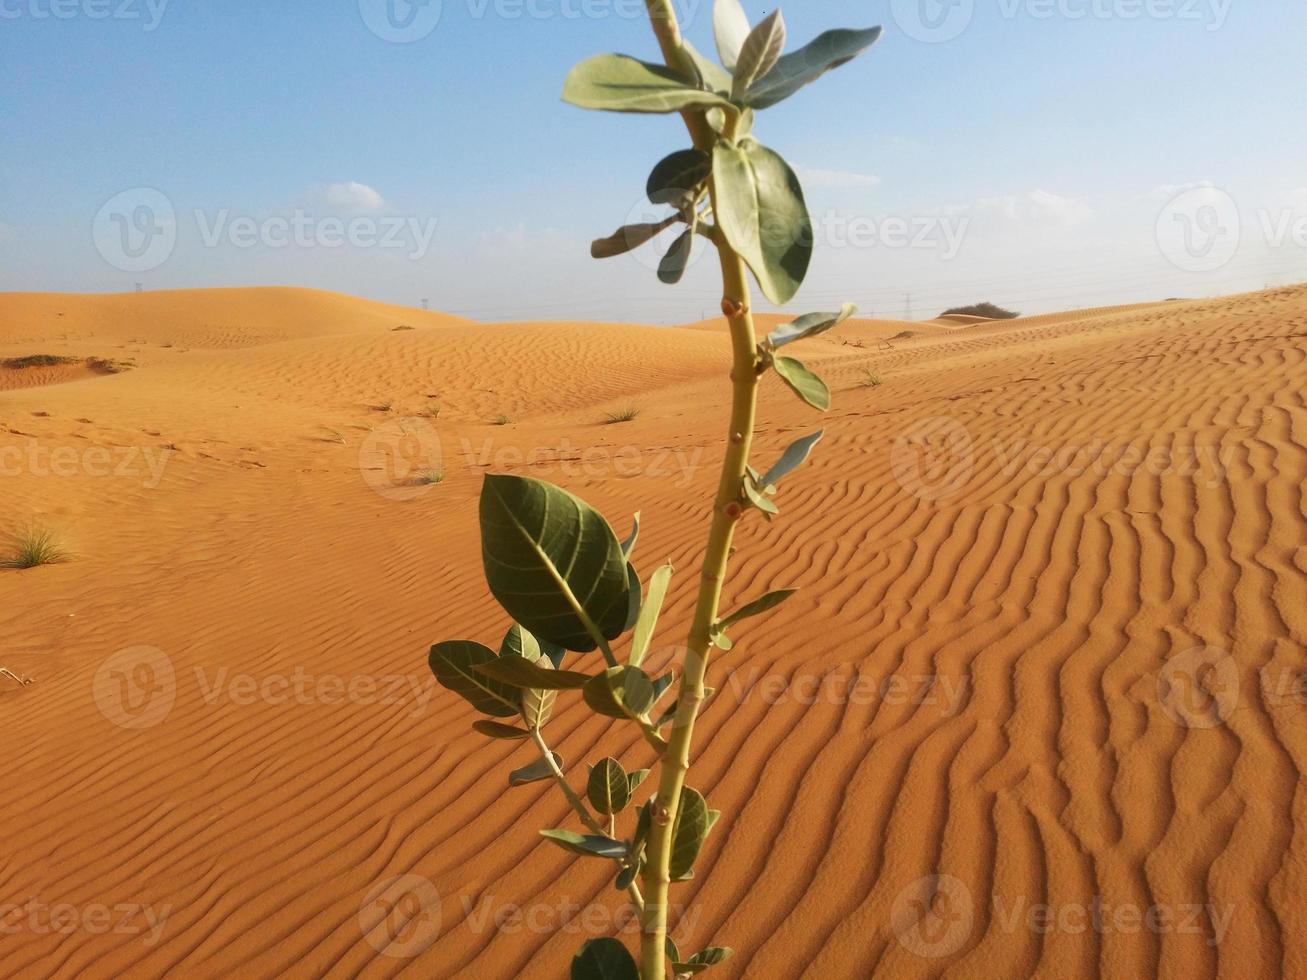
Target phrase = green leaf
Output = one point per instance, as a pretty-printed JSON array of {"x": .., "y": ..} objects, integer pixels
[
  {"x": 678, "y": 175},
  {"x": 538, "y": 702},
  {"x": 756, "y": 608},
  {"x": 753, "y": 492},
  {"x": 643, "y": 822},
  {"x": 635, "y": 598},
  {"x": 711, "y": 76},
  {"x": 619, "y": 83},
  {"x": 803, "y": 382},
  {"x": 587, "y": 846},
  {"x": 604, "y": 959},
  {"x": 620, "y": 692},
  {"x": 648, "y": 619},
  {"x": 629, "y": 237},
  {"x": 701, "y": 960},
  {"x": 625, "y": 877},
  {"x": 553, "y": 651},
  {"x": 609, "y": 789},
  {"x": 629, "y": 544},
  {"x": 553, "y": 562},
  {"x": 808, "y": 326},
  {"x": 671, "y": 950},
  {"x": 455, "y": 665},
  {"x": 536, "y": 772},
  {"x": 688, "y": 833},
  {"x": 519, "y": 642},
  {"x": 523, "y": 674},
  {"x": 730, "y": 29},
  {"x": 634, "y": 779},
  {"x": 761, "y": 50},
  {"x": 794, "y": 457},
  {"x": 672, "y": 268},
  {"x": 507, "y": 733},
  {"x": 761, "y": 211},
  {"x": 799, "y": 68}
]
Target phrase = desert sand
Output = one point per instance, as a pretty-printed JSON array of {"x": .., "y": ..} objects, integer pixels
[{"x": 1037, "y": 711}]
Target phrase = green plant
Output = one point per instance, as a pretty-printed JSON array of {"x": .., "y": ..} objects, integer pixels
[
  {"x": 432, "y": 410},
  {"x": 555, "y": 564},
  {"x": 34, "y": 547},
  {"x": 426, "y": 478},
  {"x": 628, "y": 414},
  {"x": 982, "y": 309},
  {"x": 37, "y": 360},
  {"x": 872, "y": 380},
  {"x": 385, "y": 406},
  {"x": 501, "y": 419}
]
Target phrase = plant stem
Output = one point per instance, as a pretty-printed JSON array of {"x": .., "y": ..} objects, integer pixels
[
  {"x": 726, "y": 515},
  {"x": 579, "y": 806}
]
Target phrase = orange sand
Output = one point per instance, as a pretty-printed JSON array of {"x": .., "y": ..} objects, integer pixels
[{"x": 1072, "y": 750}]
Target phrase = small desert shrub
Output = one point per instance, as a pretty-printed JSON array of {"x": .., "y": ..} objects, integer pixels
[
  {"x": 565, "y": 580},
  {"x": 37, "y": 360},
  {"x": 628, "y": 414},
  {"x": 427, "y": 478},
  {"x": 433, "y": 410},
  {"x": 982, "y": 309},
  {"x": 872, "y": 380},
  {"x": 334, "y": 435},
  {"x": 385, "y": 406},
  {"x": 34, "y": 547},
  {"x": 402, "y": 326},
  {"x": 501, "y": 419}
]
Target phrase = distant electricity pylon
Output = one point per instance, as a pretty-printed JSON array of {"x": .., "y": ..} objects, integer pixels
[{"x": 426, "y": 304}]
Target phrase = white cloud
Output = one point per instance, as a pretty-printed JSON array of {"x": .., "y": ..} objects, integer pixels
[
  {"x": 816, "y": 177},
  {"x": 353, "y": 196}
]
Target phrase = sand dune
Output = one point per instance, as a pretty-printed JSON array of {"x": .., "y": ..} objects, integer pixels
[{"x": 1049, "y": 649}]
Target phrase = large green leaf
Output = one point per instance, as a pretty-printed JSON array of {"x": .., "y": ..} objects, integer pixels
[
  {"x": 553, "y": 562},
  {"x": 688, "y": 833},
  {"x": 809, "y": 325},
  {"x": 799, "y": 68},
  {"x": 795, "y": 456},
  {"x": 803, "y": 382},
  {"x": 761, "y": 211},
  {"x": 455, "y": 665},
  {"x": 604, "y": 959},
  {"x": 648, "y": 619},
  {"x": 619, "y": 83},
  {"x": 609, "y": 788},
  {"x": 761, "y": 50},
  {"x": 677, "y": 175}
]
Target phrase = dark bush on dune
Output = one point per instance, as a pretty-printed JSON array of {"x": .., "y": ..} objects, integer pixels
[{"x": 982, "y": 309}]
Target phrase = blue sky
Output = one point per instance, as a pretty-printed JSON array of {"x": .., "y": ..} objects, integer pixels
[{"x": 1035, "y": 153}]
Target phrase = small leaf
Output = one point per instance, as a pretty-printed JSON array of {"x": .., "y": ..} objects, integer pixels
[
  {"x": 711, "y": 75},
  {"x": 609, "y": 789},
  {"x": 520, "y": 642},
  {"x": 809, "y": 325},
  {"x": 672, "y": 268},
  {"x": 538, "y": 703},
  {"x": 753, "y": 492},
  {"x": 629, "y": 237},
  {"x": 629, "y": 544},
  {"x": 507, "y": 733},
  {"x": 554, "y": 652},
  {"x": 620, "y": 692},
  {"x": 626, "y": 877},
  {"x": 701, "y": 960},
  {"x": 731, "y": 29},
  {"x": 662, "y": 684},
  {"x": 803, "y": 382},
  {"x": 689, "y": 832},
  {"x": 762, "y": 213},
  {"x": 647, "y": 621},
  {"x": 643, "y": 821},
  {"x": 523, "y": 675},
  {"x": 770, "y": 601},
  {"x": 634, "y": 779},
  {"x": 671, "y": 950},
  {"x": 618, "y": 83},
  {"x": 587, "y": 845},
  {"x": 723, "y": 642},
  {"x": 455, "y": 665},
  {"x": 635, "y": 598},
  {"x": 553, "y": 562},
  {"x": 536, "y": 772},
  {"x": 678, "y": 175},
  {"x": 604, "y": 959},
  {"x": 794, "y": 457},
  {"x": 809, "y": 63},
  {"x": 759, "y": 54}
]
